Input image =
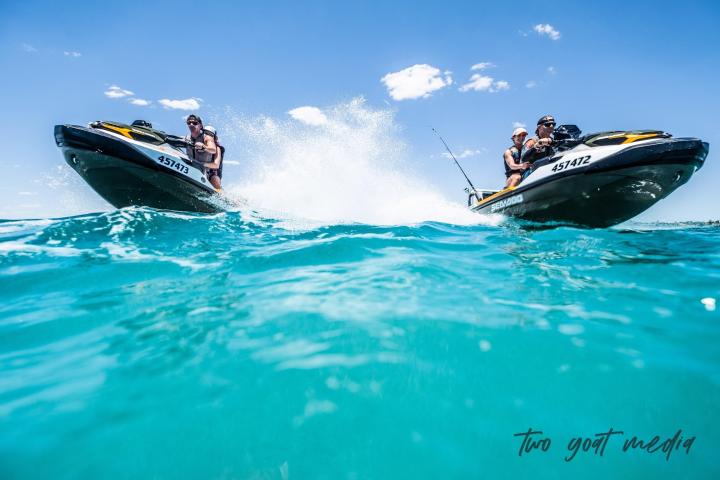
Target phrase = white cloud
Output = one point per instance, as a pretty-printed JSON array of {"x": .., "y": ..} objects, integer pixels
[
  {"x": 116, "y": 92},
  {"x": 140, "y": 102},
  {"x": 187, "y": 104},
  {"x": 484, "y": 83},
  {"x": 309, "y": 115},
  {"x": 547, "y": 29},
  {"x": 231, "y": 162},
  {"x": 519, "y": 125},
  {"x": 531, "y": 84},
  {"x": 72, "y": 54},
  {"x": 418, "y": 81},
  {"x": 482, "y": 66},
  {"x": 28, "y": 48},
  {"x": 551, "y": 70},
  {"x": 478, "y": 82},
  {"x": 464, "y": 154},
  {"x": 501, "y": 85}
]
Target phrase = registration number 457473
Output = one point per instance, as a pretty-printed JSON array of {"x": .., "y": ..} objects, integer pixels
[
  {"x": 576, "y": 162},
  {"x": 173, "y": 164}
]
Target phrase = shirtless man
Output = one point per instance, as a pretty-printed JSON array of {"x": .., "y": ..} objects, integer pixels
[{"x": 214, "y": 169}]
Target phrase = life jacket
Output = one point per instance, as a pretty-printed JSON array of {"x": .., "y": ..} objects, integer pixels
[
  {"x": 200, "y": 156},
  {"x": 517, "y": 157},
  {"x": 531, "y": 154}
]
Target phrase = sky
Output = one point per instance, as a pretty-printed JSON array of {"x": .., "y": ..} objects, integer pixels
[{"x": 472, "y": 70}]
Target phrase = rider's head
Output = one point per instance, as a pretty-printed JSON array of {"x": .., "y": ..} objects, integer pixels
[
  {"x": 210, "y": 130},
  {"x": 195, "y": 125},
  {"x": 545, "y": 126},
  {"x": 518, "y": 135}
]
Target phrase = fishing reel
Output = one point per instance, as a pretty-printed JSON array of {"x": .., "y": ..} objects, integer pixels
[{"x": 472, "y": 193}]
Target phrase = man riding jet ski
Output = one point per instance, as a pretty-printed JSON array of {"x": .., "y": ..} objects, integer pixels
[
  {"x": 596, "y": 180},
  {"x": 138, "y": 165}
]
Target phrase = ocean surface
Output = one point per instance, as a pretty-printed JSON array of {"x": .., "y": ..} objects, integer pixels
[{"x": 145, "y": 344}]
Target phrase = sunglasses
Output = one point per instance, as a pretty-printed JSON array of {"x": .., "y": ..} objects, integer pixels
[
  {"x": 193, "y": 123},
  {"x": 549, "y": 124}
]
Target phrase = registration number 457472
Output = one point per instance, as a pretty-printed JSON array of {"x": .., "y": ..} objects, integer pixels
[{"x": 576, "y": 162}]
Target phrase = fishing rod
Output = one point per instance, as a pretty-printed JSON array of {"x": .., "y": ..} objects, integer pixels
[{"x": 455, "y": 159}]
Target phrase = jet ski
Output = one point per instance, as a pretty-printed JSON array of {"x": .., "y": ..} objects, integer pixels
[
  {"x": 137, "y": 165},
  {"x": 597, "y": 180}
]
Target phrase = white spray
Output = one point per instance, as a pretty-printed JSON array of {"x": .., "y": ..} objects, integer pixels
[{"x": 341, "y": 164}]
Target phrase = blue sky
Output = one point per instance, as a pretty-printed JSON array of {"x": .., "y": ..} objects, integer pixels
[{"x": 600, "y": 65}]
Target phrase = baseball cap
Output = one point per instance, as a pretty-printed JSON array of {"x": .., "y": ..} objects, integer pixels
[
  {"x": 518, "y": 131},
  {"x": 545, "y": 119}
]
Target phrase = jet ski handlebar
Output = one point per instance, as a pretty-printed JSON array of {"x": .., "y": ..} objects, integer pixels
[
  {"x": 565, "y": 143},
  {"x": 176, "y": 141},
  {"x": 182, "y": 142},
  {"x": 566, "y": 136}
]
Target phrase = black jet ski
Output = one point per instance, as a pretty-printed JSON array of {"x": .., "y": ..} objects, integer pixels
[
  {"x": 137, "y": 165},
  {"x": 597, "y": 180}
]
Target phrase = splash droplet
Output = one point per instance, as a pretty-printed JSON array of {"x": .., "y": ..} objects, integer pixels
[{"x": 709, "y": 303}]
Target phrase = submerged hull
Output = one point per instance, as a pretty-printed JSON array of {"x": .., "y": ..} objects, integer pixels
[
  {"x": 129, "y": 173},
  {"x": 607, "y": 191}
]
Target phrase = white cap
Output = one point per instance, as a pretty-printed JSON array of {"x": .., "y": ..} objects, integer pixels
[
  {"x": 516, "y": 132},
  {"x": 210, "y": 129}
]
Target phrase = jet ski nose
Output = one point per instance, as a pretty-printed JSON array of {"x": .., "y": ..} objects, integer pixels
[{"x": 59, "y": 135}]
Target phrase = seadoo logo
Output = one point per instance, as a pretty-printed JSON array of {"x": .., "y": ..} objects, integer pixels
[{"x": 514, "y": 200}]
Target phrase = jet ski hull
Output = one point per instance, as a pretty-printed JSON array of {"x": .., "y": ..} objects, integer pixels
[
  {"x": 605, "y": 192},
  {"x": 130, "y": 174}
]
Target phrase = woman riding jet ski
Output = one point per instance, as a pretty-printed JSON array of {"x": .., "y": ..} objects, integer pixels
[
  {"x": 597, "y": 180},
  {"x": 137, "y": 165}
]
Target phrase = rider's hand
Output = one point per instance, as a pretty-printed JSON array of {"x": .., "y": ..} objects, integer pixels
[
  {"x": 199, "y": 146},
  {"x": 544, "y": 142}
]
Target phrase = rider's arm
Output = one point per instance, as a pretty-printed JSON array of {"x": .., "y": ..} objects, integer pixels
[
  {"x": 528, "y": 151},
  {"x": 210, "y": 146},
  {"x": 217, "y": 158},
  {"x": 509, "y": 160}
]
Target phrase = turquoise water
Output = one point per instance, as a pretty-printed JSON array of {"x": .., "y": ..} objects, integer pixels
[{"x": 140, "y": 344}]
